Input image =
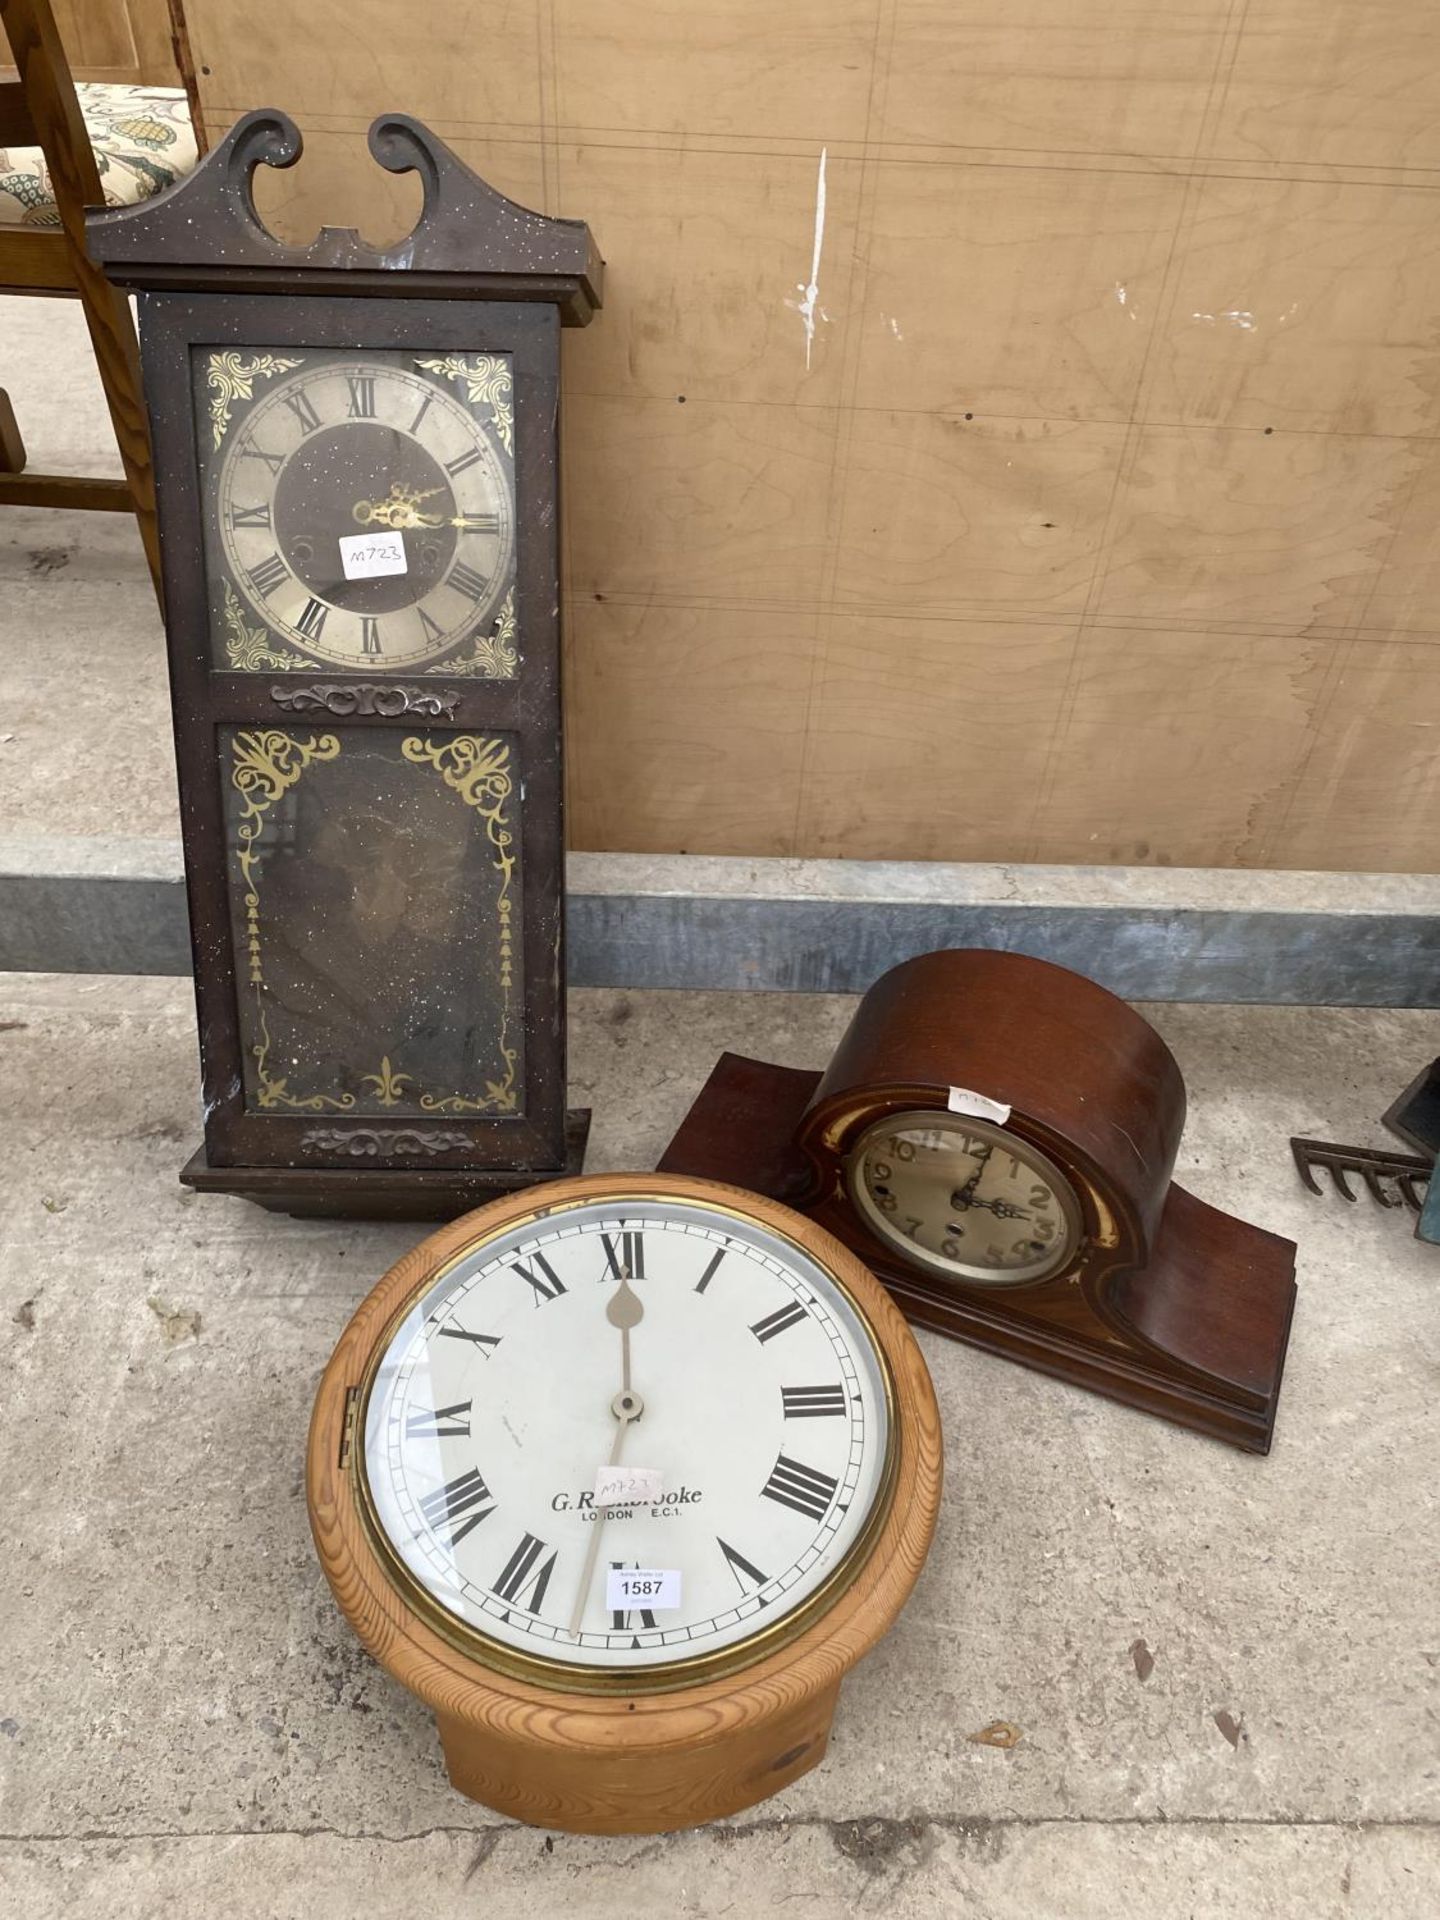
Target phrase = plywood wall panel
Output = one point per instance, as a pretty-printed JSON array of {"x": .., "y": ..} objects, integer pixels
[
  {"x": 1308, "y": 305},
  {"x": 947, "y": 515},
  {"x": 1082, "y": 502},
  {"x": 1012, "y": 290},
  {"x": 929, "y": 731},
  {"x": 1281, "y": 531},
  {"x": 704, "y": 748},
  {"x": 1072, "y": 76},
  {"x": 1132, "y": 779}
]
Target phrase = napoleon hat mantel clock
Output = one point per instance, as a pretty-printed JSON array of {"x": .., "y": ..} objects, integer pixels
[
  {"x": 622, "y": 1477},
  {"x": 356, "y": 463},
  {"x": 994, "y": 1137}
]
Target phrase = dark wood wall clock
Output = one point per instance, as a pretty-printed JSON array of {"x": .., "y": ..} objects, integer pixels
[
  {"x": 622, "y": 1478},
  {"x": 357, "y": 467},
  {"x": 995, "y": 1137}
]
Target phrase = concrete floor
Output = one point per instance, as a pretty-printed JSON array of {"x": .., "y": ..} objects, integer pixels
[{"x": 188, "y": 1726}]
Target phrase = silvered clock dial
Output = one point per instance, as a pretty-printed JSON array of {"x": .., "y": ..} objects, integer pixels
[{"x": 965, "y": 1198}]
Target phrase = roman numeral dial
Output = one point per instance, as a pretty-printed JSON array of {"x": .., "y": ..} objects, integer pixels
[
  {"x": 622, "y": 1435},
  {"x": 361, "y": 510}
]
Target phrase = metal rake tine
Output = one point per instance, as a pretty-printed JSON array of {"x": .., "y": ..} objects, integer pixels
[
  {"x": 1303, "y": 1166},
  {"x": 1337, "y": 1174},
  {"x": 1407, "y": 1187},
  {"x": 1371, "y": 1177}
]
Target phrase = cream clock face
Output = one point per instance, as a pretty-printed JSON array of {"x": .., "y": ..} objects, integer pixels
[
  {"x": 720, "y": 1378},
  {"x": 364, "y": 508},
  {"x": 964, "y": 1198}
]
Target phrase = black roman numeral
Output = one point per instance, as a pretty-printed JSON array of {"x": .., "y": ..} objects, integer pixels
[
  {"x": 362, "y": 396},
  {"x": 710, "y": 1271},
  {"x": 299, "y": 405},
  {"x": 789, "y": 1315},
  {"x": 369, "y": 634},
  {"x": 312, "y": 621},
  {"x": 805, "y": 1489},
  {"x": 482, "y": 523},
  {"x": 520, "y": 1574},
  {"x": 740, "y": 1566},
  {"x": 547, "y": 1283},
  {"x": 464, "y": 460},
  {"x": 620, "y": 1622},
  {"x": 485, "y": 1341},
  {"x": 465, "y": 580},
  {"x": 251, "y": 516},
  {"x": 625, "y": 1255},
  {"x": 425, "y": 406},
  {"x": 441, "y": 1423},
  {"x": 460, "y": 1506},
  {"x": 274, "y": 461},
  {"x": 435, "y": 631},
  {"x": 811, "y": 1403},
  {"x": 271, "y": 573}
]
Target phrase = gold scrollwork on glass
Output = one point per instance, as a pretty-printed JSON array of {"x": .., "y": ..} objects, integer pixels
[
  {"x": 487, "y": 383},
  {"x": 266, "y": 765},
  {"x": 388, "y": 1085},
  {"x": 493, "y": 656},
  {"x": 248, "y": 648},
  {"x": 478, "y": 770},
  {"x": 231, "y": 377}
]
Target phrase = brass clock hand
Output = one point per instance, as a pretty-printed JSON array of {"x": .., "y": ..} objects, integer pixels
[
  {"x": 624, "y": 1309},
  {"x": 399, "y": 510}
]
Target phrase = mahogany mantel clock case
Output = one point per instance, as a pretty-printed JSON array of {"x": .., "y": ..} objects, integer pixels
[
  {"x": 356, "y": 464},
  {"x": 994, "y": 1137}
]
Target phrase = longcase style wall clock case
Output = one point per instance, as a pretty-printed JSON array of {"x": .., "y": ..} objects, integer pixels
[
  {"x": 994, "y": 1137},
  {"x": 357, "y": 472}
]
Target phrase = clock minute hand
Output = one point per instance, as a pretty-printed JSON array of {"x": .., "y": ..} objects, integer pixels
[
  {"x": 965, "y": 1196},
  {"x": 624, "y": 1309}
]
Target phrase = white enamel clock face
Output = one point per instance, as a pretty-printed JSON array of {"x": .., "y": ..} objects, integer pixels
[
  {"x": 680, "y": 1340},
  {"x": 365, "y": 512},
  {"x": 964, "y": 1198}
]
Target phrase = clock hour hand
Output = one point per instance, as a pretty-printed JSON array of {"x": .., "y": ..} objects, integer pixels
[
  {"x": 1003, "y": 1209},
  {"x": 400, "y": 509}
]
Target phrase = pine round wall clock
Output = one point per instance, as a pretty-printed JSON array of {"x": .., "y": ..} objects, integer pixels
[
  {"x": 994, "y": 1137},
  {"x": 622, "y": 1482}
]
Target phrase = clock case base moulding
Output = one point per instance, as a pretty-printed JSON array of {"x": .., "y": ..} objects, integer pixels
[
  {"x": 365, "y": 1192},
  {"x": 1187, "y": 1318}
]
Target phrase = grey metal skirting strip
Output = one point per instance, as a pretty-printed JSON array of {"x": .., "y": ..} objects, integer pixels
[{"x": 113, "y": 906}]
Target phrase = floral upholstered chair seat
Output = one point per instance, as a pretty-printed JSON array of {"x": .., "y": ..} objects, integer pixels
[{"x": 143, "y": 142}]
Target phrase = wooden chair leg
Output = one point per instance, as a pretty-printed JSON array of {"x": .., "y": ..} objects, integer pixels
[
  {"x": 55, "y": 112},
  {"x": 12, "y": 447},
  {"x": 112, "y": 333}
]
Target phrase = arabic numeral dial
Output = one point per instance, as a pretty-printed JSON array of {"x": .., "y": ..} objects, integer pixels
[{"x": 964, "y": 1199}]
